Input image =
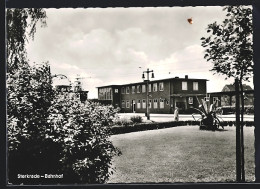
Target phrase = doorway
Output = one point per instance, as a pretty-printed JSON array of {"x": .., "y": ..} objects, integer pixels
[
  {"x": 133, "y": 106},
  {"x": 180, "y": 105}
]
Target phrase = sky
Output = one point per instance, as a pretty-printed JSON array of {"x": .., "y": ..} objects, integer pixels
[{"x": 115, "y": 45}]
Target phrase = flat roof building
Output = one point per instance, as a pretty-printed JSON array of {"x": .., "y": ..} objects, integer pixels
[{"x": 163, "y": 95}]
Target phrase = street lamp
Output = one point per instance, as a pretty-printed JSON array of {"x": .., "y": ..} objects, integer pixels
[{"x": 147, "y": 93}]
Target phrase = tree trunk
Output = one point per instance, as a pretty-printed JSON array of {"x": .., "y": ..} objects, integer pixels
[
  {"x": 238, "y": 136},
  {"x": 242, "y": 132}
]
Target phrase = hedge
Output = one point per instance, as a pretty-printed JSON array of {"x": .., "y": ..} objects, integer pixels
[
  {"x": 232, "y": 109},
  {"x": 116, "y": 129}
]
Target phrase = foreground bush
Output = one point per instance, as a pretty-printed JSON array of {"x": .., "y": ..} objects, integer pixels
[
  {"x": 52, "y": 133},
  {"x": 80, "y": 129},
  {"x": 29, "y": 98}
]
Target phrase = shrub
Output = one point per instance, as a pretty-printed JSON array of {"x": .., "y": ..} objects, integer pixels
[
  {"x": 249, "y": 110},
  {"x": 232, "y": 109},
  {"x": 123, "y": 121},
  {"x": 29, "y": 98},
  {"x": 136, "y": 119},
  {"x": 83, "y": 130},
  {"x": 55, "y": 133},
  {"x": 151, "y": 126}
]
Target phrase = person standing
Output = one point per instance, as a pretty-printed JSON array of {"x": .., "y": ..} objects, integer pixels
[{"x": 176, "y": 114}]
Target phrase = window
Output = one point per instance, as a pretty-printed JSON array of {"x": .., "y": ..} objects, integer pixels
[
  {"x": 155, "y": 103},
  {"x": 127, "y": 104},
  {"x": 107, "y": 93},
  {"x": 155, "y": 87},
  {"x": 161, "y": 103},
  {"x": 190, "y": 100},
  {"x": 138, "y": 104},
  {"x": 123, "y": 104},
  {"x": 161, "y": 86},
  {"x": 184, "y": 85},
  {"x": 144, "y": 104},
  {"x": 127, "y": 90},
  {"x": 143, "y": 88},
  {"x": 116, "y": 90},
  {"x": 215, "y": 99},
  {"x": 123, "y": 90},
  {"x": 206, "y": 99},
  {"x": 150, "y": 88},
  {"x": 110, "y": 94},
  {"x": 133, "y": 89},
  {"x": 195, "y": 86},
  {"x": 150, "y": 103},
  {"x": 138, "y": 88}
]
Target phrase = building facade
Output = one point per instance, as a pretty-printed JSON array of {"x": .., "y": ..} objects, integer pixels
[
  {"x": 163, "y": 95},
  {"x": 227, "y": 97},
  {"x": 109, "y": 95}
]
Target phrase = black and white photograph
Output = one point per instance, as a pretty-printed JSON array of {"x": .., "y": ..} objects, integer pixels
[{"x": 130, "y": 95}]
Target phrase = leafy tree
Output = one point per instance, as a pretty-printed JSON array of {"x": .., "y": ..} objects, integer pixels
[
  {"x": 230, "y": 48},
  {"x": 29, "y": 97},
  {"x": 83, "y": 130},
  {"x": 20, "y": 27}
]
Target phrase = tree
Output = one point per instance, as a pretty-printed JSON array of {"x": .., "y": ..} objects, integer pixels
[
  {"x": 20, "y": 27},
  {"x": 48, "y": 132},
  {"x": 29, "y": 96},
  {"x": 230, "y": 48}
]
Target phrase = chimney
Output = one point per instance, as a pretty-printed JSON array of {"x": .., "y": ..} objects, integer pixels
[{"x": 186, "y": 76}]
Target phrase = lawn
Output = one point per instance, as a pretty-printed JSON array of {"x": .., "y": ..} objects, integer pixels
[{"x": 181, "y": 154}]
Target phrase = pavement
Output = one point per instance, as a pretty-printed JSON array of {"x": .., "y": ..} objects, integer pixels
[{"x": 182, "y": 117}]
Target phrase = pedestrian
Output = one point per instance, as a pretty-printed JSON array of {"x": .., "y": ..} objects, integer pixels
[{"x": 176, "y": 114}]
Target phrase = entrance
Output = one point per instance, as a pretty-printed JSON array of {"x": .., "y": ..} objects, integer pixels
[
  {"x": 180, "y": 105},
  {"x": 133, "y": 106},
  {"x": 171, "y": 105}
]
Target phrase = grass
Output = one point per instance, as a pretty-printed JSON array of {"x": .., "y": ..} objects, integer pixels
[{"x": 181, "y": 154}]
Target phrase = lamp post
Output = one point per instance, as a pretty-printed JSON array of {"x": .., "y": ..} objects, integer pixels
[{"x": 147, "y": 92}]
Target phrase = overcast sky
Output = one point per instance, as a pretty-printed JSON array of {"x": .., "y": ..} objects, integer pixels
[{"x": 115, "y": 45}]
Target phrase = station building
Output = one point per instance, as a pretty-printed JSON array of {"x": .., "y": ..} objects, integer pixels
[{"x": 163, "y": 95}]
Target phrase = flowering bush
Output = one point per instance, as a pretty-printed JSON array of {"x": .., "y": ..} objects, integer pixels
[
  {"x": 29, "y": 98},
  {"x": 83, "y": 130},
  {"x": 55, "y": 133}
]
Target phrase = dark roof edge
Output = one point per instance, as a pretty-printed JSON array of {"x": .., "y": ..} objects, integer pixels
[
  {"x": 155, "y": 81},
  {"x": 109, "y": 86}
]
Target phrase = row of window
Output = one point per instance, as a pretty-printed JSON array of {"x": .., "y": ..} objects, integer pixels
[
  {"x": 142, "y": 88},
  {"x": 105, "y": 94},
  {"x": 154, "y": 87},
  {"x": 185, "y": 85},
  {"x": 190, "y": 100},
  {"x": 141, "y": 104}
]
